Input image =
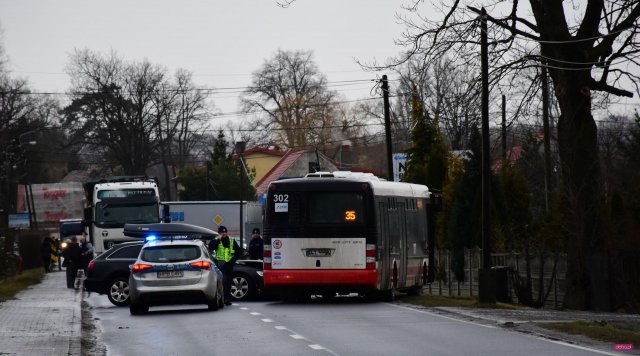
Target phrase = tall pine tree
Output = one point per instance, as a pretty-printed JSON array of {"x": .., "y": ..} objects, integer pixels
[{"x": 427, "y": 157}]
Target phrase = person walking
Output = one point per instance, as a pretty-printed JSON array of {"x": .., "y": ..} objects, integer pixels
[
  {"x": 73, "y": 260},
  {"x": 45, "y": 254},
  {"x": 256, "y": 245},
  {"x": 86, "y": 250},
  {"x": 225, "y": 250}
]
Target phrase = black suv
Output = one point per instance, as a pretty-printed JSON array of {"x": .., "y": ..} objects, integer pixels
[{"x": 109, "y": 272}]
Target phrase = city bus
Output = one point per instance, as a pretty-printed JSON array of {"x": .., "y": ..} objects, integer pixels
[{"x": 347, "y": 232}]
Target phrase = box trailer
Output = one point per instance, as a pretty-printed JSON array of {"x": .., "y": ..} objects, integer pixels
[{"x": 212, "y": 214}]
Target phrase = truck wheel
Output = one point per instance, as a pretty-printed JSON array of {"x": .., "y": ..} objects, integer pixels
[{"x": 118, "y": 292}]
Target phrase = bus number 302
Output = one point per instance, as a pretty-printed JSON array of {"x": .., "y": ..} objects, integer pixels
[{"x": 281, "y": 198}]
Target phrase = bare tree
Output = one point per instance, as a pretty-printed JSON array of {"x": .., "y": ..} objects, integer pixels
[
  {"x": 132, "y": 113},
  {"x": 587, "y": 47},
  {"x": 292, "y": 95}
]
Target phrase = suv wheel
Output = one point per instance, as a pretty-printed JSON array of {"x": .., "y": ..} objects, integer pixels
[
  {"x": 118, "y": 293},
  {"x": 242, "y": 287}
]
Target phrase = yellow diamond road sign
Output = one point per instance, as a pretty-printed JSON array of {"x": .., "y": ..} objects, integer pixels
[{"x": 217, "y": 219}]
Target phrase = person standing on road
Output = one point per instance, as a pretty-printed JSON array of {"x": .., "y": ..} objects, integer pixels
[
  {"x": 86, "y": 249},
  {"x": 45, "y": 253},
  {"x": 73, "y": 260},
  {"x": 225, "y": 251},
  {"x": 256, "y": 245}
]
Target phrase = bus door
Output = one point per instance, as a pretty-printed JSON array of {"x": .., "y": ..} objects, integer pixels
[
  {"x": 396, "y": 245},
  {"x": 383, "y": 244}
]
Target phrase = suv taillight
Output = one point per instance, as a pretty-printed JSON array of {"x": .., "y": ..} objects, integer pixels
[{"x": 91, "y": 265}]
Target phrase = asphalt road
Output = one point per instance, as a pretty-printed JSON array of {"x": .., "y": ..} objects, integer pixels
[{"x": 344, "y": 326}]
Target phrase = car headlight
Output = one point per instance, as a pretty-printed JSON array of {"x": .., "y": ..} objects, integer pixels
[
  {"x": 63, "y": 245},
  {"x": 260, "y": 273}
]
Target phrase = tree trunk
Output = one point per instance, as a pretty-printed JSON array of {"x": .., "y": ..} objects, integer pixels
[{"x": 587, "y": 286}]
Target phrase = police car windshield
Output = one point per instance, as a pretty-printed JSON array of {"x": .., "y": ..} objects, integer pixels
[{"x": 173, "y": 253}]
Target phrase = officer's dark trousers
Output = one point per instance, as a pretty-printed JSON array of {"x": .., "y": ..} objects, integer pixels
[
  {"x": 227, "y": 274},
  {"x": 72, "y": 271},
  {"x": 46, "y": 263}
]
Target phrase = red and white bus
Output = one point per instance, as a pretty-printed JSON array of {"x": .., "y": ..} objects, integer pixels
[{"x": 347, "y": 232}]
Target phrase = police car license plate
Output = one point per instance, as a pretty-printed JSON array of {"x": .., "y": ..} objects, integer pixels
[{"x": 170, "y": 274}]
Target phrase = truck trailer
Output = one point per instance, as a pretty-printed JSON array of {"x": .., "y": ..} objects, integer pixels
[{"x": 213, "y": 214}]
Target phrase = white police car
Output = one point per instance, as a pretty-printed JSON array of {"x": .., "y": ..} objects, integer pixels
[{"x": 174, "y": 267}]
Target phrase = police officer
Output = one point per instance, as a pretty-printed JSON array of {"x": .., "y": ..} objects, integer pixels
[
  {"x": 255, "y": 245},
  {"x": 73, "y": 259},
  {"x": 45, "y": 252},
  {"x": 226, "y": 250}
]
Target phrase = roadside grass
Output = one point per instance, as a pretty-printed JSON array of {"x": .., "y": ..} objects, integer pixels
[
  {"x": 441, "y": 301},
  {"x": 597, "y": 330},
  {"x": 9, "y": 287}
]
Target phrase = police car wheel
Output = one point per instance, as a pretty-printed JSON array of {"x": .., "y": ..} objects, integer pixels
[{"x": 138, "y": 308}]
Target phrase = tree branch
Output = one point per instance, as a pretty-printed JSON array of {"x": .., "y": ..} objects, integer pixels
[
  {"x": 500, "y": 23},
  {"x": 602, "y": 86}
]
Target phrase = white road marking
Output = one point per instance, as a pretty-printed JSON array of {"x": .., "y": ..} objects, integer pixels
[
  {"x": 297, "y": 337},
  {"x": 267, "y": 320},
  {"x": 442, "y": 316},
  {"x": 244, "y": 308},
  {"x": 255, "y": 313},
  {"x": 493, "y": 327},
  {"x": 280, "y": 327},
  {"x": 602, "y": 352},
  {"x": 316, "y": 347}
]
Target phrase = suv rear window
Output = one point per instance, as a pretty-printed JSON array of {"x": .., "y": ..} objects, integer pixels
[
  {"x": 170, "y": 253},
  {"x": 131, "y": 252}
]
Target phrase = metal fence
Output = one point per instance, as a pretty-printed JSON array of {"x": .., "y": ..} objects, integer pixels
[{"x": 510, "y": 263}]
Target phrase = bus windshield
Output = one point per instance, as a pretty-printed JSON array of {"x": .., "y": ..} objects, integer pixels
[
  {"x": 336, "y": 208},
  {"x": 112, "y": 216}
]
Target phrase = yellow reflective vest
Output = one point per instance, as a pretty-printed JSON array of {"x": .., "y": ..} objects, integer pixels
[{"x": 225, "y": 253}]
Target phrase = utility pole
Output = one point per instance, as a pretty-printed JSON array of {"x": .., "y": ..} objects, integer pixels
[
  {"x": 387, "y": 125},
  {"x": 547, "y": 137},
  {"x": 487, "y": 287},
  {"x": 504, "y": 130},
  {"x": 240, "y": 146}
]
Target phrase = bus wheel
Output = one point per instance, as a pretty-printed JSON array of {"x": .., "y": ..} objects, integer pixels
[{"x": 390, "y": 294}]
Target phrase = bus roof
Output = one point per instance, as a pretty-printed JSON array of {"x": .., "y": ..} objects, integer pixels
[{"x": 379, "y": 186}]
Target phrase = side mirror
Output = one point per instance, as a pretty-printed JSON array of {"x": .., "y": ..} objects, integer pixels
[
  {"x": 166, "y": 213},
  {"x": 88, "y": 218}
]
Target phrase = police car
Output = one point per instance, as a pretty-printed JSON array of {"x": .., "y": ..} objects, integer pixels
[{"x": 174, "y": 267}]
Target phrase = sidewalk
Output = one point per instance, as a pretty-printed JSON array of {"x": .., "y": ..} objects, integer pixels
[{"x": 45, "y": 319}]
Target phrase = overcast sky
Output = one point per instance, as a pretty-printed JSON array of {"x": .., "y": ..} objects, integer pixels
[{"x": 220, "y": 42}]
